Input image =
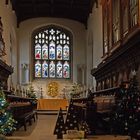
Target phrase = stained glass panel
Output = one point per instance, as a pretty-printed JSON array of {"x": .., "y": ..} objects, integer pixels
[
  {"x": 52, "y": 31},
  {"x": 59, "y": 52},
  {"x": 52, "y": 51},
  {"x": 54, "y": 37},
  {"x": 36, "y": 37},
  {"x": 45, "y": 69},
  {"x": 43, "y": 40},
  {"x": 38, "y": 51},
  {"x": 59, "y": 69},
  {"x": 64, "y": 36},
  {"x": 66, "y": 52},
  {"x": 37, "y": 69},
  {"x": 50, "y": 37},
  {"x": 44, "y": 51},
  {"x": 39, "y": 35},
  {"x": 43, "y": 35},
  {"x": 40, "y": 41},
  {"x": 36, "y": 41},
  {"x": 66, "y": 70},
  {"x": 52, "y": 69}
]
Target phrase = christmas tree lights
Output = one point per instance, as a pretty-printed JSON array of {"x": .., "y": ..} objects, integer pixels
[
  {"x": 7, "y": 123},
  {"x": 126, "y": 118}
]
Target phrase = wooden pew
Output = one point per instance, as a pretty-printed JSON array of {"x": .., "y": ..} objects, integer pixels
[
  {"x": 23, "y": 110},
  {"x": 96, "y": 109}
]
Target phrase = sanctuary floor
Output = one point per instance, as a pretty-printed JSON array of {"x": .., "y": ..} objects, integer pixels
[{"x": 43, "y": 129}]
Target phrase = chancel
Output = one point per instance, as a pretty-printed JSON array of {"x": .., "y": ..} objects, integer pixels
[{"x": 70, "y": 69}]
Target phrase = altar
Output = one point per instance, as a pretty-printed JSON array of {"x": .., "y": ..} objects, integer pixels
[{"x": 52, "y": 104}]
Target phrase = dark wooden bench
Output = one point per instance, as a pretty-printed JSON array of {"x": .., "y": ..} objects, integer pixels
[
  {"x": 23, "y": 114},
  {"x": 23, "y": 109},
  {"x": 24, "y": 119}
]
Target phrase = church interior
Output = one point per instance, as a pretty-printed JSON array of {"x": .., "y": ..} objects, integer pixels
[{"x": 70, "y": 69}]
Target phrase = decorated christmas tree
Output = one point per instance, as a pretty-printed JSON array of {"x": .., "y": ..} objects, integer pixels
[
  {"x": 126, "y": 118},
  {"x": 72, "y": 118},
  {"x": 7, "y": 123},
  {"x": 84, "y": 127},
  {"x": 60, "y": 127}
]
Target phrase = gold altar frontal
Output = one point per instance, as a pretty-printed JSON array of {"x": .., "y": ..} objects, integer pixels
[{"x": 52, "y": 104}]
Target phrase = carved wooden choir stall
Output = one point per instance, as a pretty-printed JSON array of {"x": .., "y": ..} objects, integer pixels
[
  {"x": 120, "y": 62},
  {"x": 23, "y": 109}
]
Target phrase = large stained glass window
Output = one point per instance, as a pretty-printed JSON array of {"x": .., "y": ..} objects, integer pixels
[{"x": 52, "y": 53}]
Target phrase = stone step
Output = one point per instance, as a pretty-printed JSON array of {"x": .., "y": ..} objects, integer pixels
[{"x": 50, "y": 112}]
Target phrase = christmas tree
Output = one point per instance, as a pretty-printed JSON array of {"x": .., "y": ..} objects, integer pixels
[
  {"x": 126, "y": 117},
  {"x": 31, "y": 92},
  {"x": 84, "y": 127},
  {"x": 60, "y": 128},
  {"x": 75, "y": 91},
  {"x": 7, "y": 123},
  {"x": 72, "y": 118}
]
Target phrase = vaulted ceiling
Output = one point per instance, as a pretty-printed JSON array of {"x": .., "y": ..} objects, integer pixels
[{"x": 78, "y": 10}]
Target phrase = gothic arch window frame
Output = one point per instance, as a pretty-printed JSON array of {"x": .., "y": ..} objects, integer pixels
[{"x": 56, "y": 61}]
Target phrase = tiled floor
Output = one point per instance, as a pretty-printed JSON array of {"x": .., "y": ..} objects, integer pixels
[{"x": 43, "y": 129}]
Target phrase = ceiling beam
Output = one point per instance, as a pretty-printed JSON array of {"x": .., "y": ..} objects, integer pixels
[
  {"x": 73, "y": 9},
  {"x": 34, "y": 6}
]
